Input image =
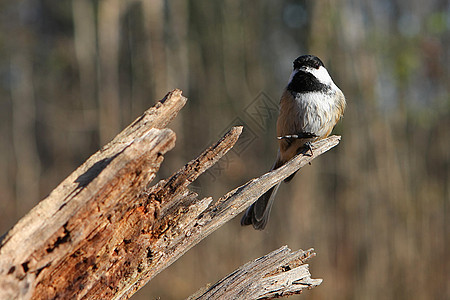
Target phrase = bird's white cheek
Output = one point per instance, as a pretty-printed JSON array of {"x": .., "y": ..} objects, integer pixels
[{"x": 322, "y": 75}]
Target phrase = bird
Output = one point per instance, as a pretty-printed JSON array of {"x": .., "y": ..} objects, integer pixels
[{"x": 310, "y": 106}]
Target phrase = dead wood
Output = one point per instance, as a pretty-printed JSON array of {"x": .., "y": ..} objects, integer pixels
[
  {"x": 104, "y": 232},
  {"x": 280, "y": 273}
]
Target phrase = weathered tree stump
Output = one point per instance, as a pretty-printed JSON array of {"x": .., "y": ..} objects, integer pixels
[{"x": 103, "y": 233}]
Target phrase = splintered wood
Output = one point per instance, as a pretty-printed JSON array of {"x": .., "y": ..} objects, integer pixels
[
  {"x": 280, "y": 273},
  {"x": 103, "y": 233}
]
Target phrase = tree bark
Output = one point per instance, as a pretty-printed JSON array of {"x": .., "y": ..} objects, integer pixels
[
  {"x": 280, "y": 273},
  {"x": 103, "y": 233}
]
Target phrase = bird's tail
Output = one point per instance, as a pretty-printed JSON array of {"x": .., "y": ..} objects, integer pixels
[{"x": 258, "y": 213}]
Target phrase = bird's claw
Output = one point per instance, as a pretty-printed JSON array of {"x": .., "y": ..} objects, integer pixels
[{"x": 309, "y": 148}]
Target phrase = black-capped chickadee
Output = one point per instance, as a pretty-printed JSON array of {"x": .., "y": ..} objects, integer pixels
[{"x": 310, "y": 107}]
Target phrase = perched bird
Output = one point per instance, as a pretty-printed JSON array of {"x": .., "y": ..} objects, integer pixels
[{"x": 310, "y": 107}]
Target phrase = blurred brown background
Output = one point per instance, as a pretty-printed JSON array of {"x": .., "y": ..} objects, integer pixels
[{"x": 74, "y": 73}]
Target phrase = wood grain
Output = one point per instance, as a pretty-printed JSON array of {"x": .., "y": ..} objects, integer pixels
[
  {"x": 104, "y": 232},
  {"x": 280, "y": 273},
  {"x": 63, "y": 232}
]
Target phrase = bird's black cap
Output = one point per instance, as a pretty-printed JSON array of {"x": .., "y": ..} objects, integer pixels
[{"x": 308, "y": 61}]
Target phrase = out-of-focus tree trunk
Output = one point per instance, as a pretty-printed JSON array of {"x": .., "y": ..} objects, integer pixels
[
  {"x": 153, "y": 14},
  {"x": 109, "y": 13},
  {"x": 85, "y": 49},
  {"x": 24, "y": 133}
]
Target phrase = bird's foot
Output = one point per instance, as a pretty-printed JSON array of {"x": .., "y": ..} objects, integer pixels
[{"x": 308, "y": 147}]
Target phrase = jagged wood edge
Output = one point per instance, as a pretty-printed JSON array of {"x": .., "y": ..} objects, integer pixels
[
  {"x": 197, "y": 218},
  {"x": 43, "y": 237},
  {"x": 280, "y": 273}
]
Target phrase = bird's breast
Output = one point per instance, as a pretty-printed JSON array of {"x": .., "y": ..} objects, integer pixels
[{"x": 312, "y": 112}]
